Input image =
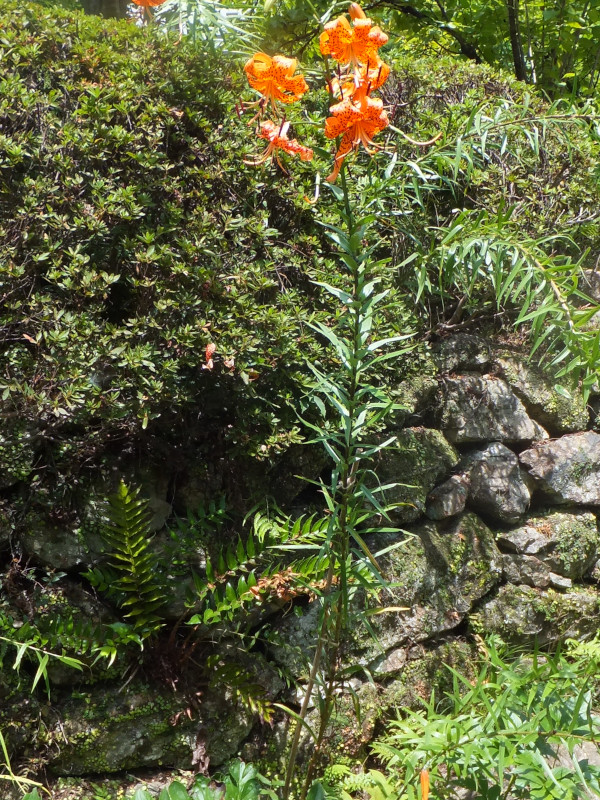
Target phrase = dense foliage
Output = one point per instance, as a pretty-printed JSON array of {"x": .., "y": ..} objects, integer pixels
[
  {"x": 165, "y": 303},
  {"x": 124, "y": 209},
  {"x": 125, "y": 206},
  {"x": 517, "y": 729},
  {"x": 551, "y": 46}
]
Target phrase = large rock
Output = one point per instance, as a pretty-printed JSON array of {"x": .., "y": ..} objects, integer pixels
[
  {"x": 523, "y": 615},
  {"x": 530, "y": 571},
  {"x": 527, "y": 570},
  {"x": 106, "y": 731},
  {"x": 436, "y": 577},
  {"x": 497, "y": 488},
  {"x": 449, "y": 498},
  {"x": 295, "y": 470},
  {"x": 65, "y": 530},
  {"x": 477, "y": 409},
  {"x": 567, "y": 470},
  {"x": 558, "y": 411},
  {"x": 65, "y": 544},
  {"x": 567, "y": 542},
  {"x": 462, "y": 353},
  {"x": 415, "y": 393},
  {"x": 418, "y": 461}
]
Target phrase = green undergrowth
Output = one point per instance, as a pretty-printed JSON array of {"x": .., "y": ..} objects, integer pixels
[{"x": 524, "y": 726}]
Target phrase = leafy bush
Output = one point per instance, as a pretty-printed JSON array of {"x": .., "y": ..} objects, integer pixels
[
  {"x": 240, "y": 782},
  {"x": 516, "y": 731},
  {"x": 132, "y": 236}
]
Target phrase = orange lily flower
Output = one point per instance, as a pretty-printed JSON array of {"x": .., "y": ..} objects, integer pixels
[
  {"x": 374, "y": 77},
  {"x": 278, "y": 140},
  {"x": 356, "y": 11},
  {"x": 146, "y": 5},
  {"x": 356, "y": 120},
  {"x": 274, "y": 78},
  {"x": 356, "y": 44}
]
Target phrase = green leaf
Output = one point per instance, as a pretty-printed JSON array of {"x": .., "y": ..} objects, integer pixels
[
  {"x": 41, "y": 670},
  {"x": 177, "y": 791},
  {"x": 142, "y": 794}
]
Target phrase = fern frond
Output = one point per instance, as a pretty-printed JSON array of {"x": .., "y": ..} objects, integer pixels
[
  {"x": 136, "y": 567},
  {"x": 242, "y": 685}
]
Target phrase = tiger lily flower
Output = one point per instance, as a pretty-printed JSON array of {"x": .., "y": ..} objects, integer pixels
[
  {"x": 356, "y": 120},
  {"x": 146, "y": 4},
  {"x": 346, "y": 86},
  {"x": 356, "y": 44},
  {"x": 274, "y": 78},
  {"x": 278, "y": 140}
]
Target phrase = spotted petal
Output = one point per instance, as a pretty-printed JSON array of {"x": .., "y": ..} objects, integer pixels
[{"x": 274, "y": 77}]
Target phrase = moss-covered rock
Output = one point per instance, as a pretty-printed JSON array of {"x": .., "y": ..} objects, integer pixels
[
  {"x": 144, "y": 726},
  {"x": 477, "y": 408},
  {"x": 19, "y": 713},
  {"x": 498, "y": 486},
  {"x": 434, "y": 580},
  {"x": 566, "y": 470},
  {"x": 415, "y": 393},
  {"x": 437, "y": 577},
  {"x": 567, "y": 542},
  {"x": 58, "y": 545},
  {"x": 449, "y": 498},
  {"x": 523, "y": 615},
  {"x": 559, "y": 411},
  {"x": 462, "y": 353},
  {"x": 360, "y": 714},
  {"x": 419, "y": 459}
]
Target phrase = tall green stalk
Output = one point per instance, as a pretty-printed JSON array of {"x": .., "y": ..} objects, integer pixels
[{"x": 357, "y": 407}]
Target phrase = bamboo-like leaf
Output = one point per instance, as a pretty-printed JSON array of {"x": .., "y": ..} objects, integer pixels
[
  {"x": 42, "y": 671},
  {"x": 21, "y": 650},
  {"x": 341, "y": 295}
]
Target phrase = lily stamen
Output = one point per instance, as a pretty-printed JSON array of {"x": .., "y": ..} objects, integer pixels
[{"x": 278, "y": 141}]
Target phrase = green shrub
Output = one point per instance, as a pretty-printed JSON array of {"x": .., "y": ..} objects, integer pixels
[
  {"x": 132, "y": 235},
  {"x": 240, "y": 782},
  {"x": 515, "y": 732}
]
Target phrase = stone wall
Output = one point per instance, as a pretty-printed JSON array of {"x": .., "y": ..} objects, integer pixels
[
  {"x": 505, "y": 474},
  {"x": 498, "y": 489}
]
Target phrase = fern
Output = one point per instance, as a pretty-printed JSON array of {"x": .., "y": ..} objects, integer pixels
[
  {"x": 190, "y": 535},
  {"x": 244, "y": 573},
  {"x": 242, "y": 685},
  {"x": 136, "y": 567}
]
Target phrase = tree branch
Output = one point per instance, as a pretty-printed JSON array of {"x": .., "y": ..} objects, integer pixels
[
  {"x": 466, "y": 48},
  {"x": 512, "y": 7}
]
